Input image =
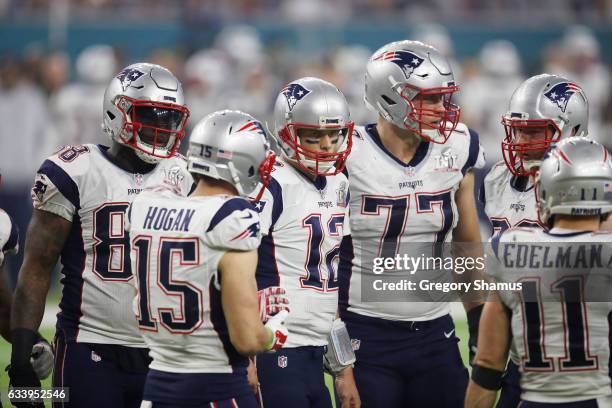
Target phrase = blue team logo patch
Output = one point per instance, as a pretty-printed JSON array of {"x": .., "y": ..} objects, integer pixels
[
  {"x": 560, "y": 94},
  {"x": 406, "y": 60},
  {"x": 40, "y": 187},
  {"x": 294, "y": 93},
  {"x": 260, "y": 205},
  {"x": 128, "y": 75}
]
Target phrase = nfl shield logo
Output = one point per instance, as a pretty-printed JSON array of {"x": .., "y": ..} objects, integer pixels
[
  {"x": 410, "y": 171},
  {"x": 282, "y": 361},
  {"x": 138, "y": 179},
  {"x": 356, "y": 343}
]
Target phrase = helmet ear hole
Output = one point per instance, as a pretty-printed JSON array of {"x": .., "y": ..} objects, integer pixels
[
  {"x": 110, "y": 115},
  {"x": 388, "y": 100}
]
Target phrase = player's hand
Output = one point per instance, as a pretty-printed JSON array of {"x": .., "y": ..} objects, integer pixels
[
  {"x": 252, "y": 377},
  {"x": 271, "y": 301},
  {"x": 276, "y": 325},
  {"x": 42, "y": 359},
  {"x": 346, "y": 389}
]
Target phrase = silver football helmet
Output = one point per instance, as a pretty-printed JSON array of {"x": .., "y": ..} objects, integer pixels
[
  {"x": 543, "y": 110},
  {"x": 397, "y": 73},
  {"x": 312, "y": 103},
  {"x": 231, "y": 146},
  {"x": 574, "y": 178},
  {"x": 144, "y": 109}
]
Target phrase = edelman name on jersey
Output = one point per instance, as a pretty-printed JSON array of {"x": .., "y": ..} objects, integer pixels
[{"x": 560, "y": 315}]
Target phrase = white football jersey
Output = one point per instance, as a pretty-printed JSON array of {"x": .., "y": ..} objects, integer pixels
[
  {"x": 560, "y": 312},
  {"x": 509, "y": 201},
  {"x": 396, "y": 206},
  {"x": 304, "y": 221},
  {"x": 82, "y": 185},
  {"x": 9, "y": 236},
  {"x": 177, "y": 243}
]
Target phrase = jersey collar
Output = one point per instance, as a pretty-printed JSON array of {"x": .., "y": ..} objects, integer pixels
[
  {"x": 418, "y": 157},
  {"x": 521, "y": 183},
  {"x": 563, "y": 232},
  {"x": 137, "y": 170}
]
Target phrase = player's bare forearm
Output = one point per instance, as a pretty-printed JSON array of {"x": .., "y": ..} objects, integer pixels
[
  {"x": 240, "y": 304},
  {"x": 5, "y": 306},
  {"x": 45, "y": 240},
  {"x": 347, "y": 389},
  {"x": 494, "y": 337},
  {"x": 492, "y": 352},
  {"x": 478, "y": 397},
  {"x": 467, "y": 241}
]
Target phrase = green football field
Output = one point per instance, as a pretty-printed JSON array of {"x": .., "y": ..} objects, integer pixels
[{"x": 48, "y": 332}]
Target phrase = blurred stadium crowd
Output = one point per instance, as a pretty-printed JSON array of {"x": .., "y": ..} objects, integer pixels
[
  {"x": 47, "y": 100},
  {"x": 318, "y": 10}
]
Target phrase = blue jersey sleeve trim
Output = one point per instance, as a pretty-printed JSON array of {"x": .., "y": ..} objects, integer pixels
[
  {"x": 231, "y": 205},
  {"x": 64, "y": 183},
  {"x": 13, "y": 236},
  {"x": 345, "y": 270},
  {"x": 277, "y": 194},
  {"x": 473, "y": 152},
  {"x": 267, "y": 269},
  {"x": 481, "y": 194},
  {"x": 495, "y": 243}
]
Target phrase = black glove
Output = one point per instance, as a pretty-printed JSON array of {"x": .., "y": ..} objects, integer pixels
[
  {"x": 23, "y": 375},
  {"x": 473, "y": 318}
]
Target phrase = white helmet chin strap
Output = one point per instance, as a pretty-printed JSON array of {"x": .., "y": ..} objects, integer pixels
[{"x": 235, "y": 178}]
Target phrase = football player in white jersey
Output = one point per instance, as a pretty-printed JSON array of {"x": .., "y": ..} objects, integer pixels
[
  {"x": 9, "y": 244},
  {"x": 543, "y": 110},
  {"x": 411, "y": 182},
  {"x": 304, "y": 216},
  {"x": 194, "y": 261},
  {"x": 557, "y": 318},
  {"x": 80, "y": 197},
  {"x": 42, "y": 353}
]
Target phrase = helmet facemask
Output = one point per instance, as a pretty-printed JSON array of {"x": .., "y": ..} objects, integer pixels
[
  {"x": 316, "y": 162},
  {"x": 153, "y": 129},
  {"x": 526, "y": 141},
  {"x": 430, "y": 123}
]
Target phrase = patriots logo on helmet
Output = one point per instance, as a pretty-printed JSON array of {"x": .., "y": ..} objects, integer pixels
[
  {"x": 406, "y": 60},
  {"x": 252, "y": 126},
  {"x": 560, "y": 94},
  {"x": 128, "y": 75},
  {"x": 294, "y": 93}
]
